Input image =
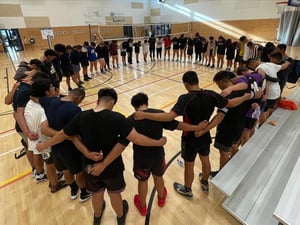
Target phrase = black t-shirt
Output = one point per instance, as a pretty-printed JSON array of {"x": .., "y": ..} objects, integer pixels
[
  {"x": 100, "y": 51},
  {"x": 59, "y": 113},
  {"x": 66, "y": 65},
  {"x": 182, "y": 42},
  {"x": 235, "y": 117},
  {"x": 101, "y": 131},
  {"x": 197, "y": 106},
  {"x": 152, "y": 129},
  {"x": 20, "y": 99},
  {"x": 175, "y": 43}
]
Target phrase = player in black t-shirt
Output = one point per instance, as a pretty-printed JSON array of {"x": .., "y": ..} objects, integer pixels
[
  {"x": 230, "y": 129},
  {"x": 151, "y": 160},
  {"x": 195, "y": 106},
  {"x": 101, "y": 129}
]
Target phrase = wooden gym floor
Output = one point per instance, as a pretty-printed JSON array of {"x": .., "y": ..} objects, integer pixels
[{"x": 24, "y": 202}]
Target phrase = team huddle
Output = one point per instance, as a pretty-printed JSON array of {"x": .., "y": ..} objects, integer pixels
[{"x": 87, "y": 145}]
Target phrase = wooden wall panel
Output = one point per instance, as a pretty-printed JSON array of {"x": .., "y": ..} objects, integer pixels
[
  {"x": 259, "y": 30},
  {"x": 137, "y": 5},
  {"x": 178, "y": 28},
  {"x": 155, "y": 12},
  {"x": 10, "y": 10},
  {"x": 37, "y": 21}
]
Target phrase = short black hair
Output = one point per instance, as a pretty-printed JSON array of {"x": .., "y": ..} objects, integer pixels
[
  {"x": 49, "y": 52},
  {"x": 108, "y": 93},
  {"x": 276, "y": 55},
  {"x": 223, "y": 75},
  {"x": 282, "y": 46},
  {"x": 40, "y": 86},
  {"x": 250, "y": 43},
  {"x": 139, "y": 99},
  {"x": 78, "y": 92},
  {"x": 36, "y": 62},
  {"x": 60, "y": 48},
  {"x": 190, "y": 77},
  {"x": 242, "y": 38}
]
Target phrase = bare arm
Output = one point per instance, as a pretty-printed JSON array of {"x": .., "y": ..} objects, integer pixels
[
  {"x": 19, "y": 116},
  {"x": 46, "y": 130},
  {"x": 57, "y": 138},
  {"x": 238, "y": 100},
  {"x": 143, "y": 140},
  {"x": 98, "y": 168},
  {"x": 93, "y": 155},
  {"x": 162, "y": 117},
  {"x": 237, "y": 87},
  {"x": 10, "y": 96},
  {"x": 285, "y": 65},
  {"x": 190, "y": 127},
  {"x": 215, "y": 121}
]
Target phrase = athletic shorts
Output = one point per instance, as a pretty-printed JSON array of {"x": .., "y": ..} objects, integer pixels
[
  {"x": 76, "y": 68},
  {"x": 143, "y": 174},
  {"x": 115, "y": 183},
  {"x": 250, "y": 122},
  {"x": 123, "y": 53},
  {"x": 84, "y": 62},
  {"x": 225, "y": 139},
  {"x": 189, "y": 150},
  {"x": 68, "y": 159},
  {"x": 270, "y": 104}
]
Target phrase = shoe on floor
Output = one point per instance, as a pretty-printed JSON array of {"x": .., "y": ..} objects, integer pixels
[
  {"x": 40, "y": 178},
  {"x": 137, "y": 203},
  {"x": 204, "y": 185},
  {"x": 97, "y": 220},
  {"x": 85, "y": 196},
  {"x": 122, "y": 220},
  {"x": 74, "y": 192},
  {"x": 162, "y": 201},
  {"x": 181, "y": 189},
  {"x": 60, "y": 185}
]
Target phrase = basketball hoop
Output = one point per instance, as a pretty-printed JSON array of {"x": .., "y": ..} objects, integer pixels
[{"x": 281, "y": 7}]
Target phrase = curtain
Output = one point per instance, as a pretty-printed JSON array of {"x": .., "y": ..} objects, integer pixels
[{"x": 289, "y": 26}]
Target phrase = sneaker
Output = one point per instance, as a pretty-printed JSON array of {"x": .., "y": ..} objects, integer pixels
[
  {"x": 97, "y": 220},
  {"x": 137, "y": 203},
  {"x": 60, "y": 185},
  {"x": 40, "y": 178},
  {"x": 162, "y": 201},
  {"x": 204, "y": 185},
  {"x": 85, "y": 196},
  {"x": 33, "y": 172},
  {"x": 181, "y": 189},
  {"x": 211, "y": 175},
  {"x": 180, "y": 162},
  {"x": 122, "y": 220},
  {"x": 86, "y": 79},
  {"x": 74, "y": 193},
  {"x": 59, "y": 175}
]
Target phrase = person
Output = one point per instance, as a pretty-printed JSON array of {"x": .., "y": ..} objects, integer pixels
[
  {"x": 34, "y": 115},
  {"x": 221, "y": 48},
  {"x": 230, "y": 129},
  {"x": 123, "y": 48},
  {"x": 167, "y": 43},
  {"x": 243, "y": 50},
  {"x": 100, "y": 54},
  {"x": 129, "y": 50},
  {"x": 254, "y": 51},
  {"x": 190, "y": 50},
  {"x": 152, "y": 42},
  {"x": 137, "y": 46},
  {"x": 84, "y": 61},
  {"x": 195, "y": 106},
  {"x": 175, "y": 43},
  {"x": 182, "y": 46},
  {"x": 92, "y": 58},
  {"x": 103, "y": 129},
  {"x": 67, "y": 158},
  {"x": 211, "y": 48},
  {"x": 151, "y": 160},
  {"x": 113, "y": 51},
  {"x": 145, "y": 47},
  {"x": 230, "y": 50},
  {"x": 159, "y": 44},
  {"x": 75, "y": 57},
  {"x": 198, "y": 47},
  {"x": 66, "y": 67}
]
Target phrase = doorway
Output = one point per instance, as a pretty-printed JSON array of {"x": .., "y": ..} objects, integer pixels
[{"x": 11, "y": 40}]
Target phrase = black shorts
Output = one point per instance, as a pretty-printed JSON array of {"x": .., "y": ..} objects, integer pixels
[
  {"x": 143, "y": 174},
  {"x": 189, "y": 150},
  {"x": 68, "y": 159},
  {"x": 249, "y": 123},
  {"x": 115, "y": 183},
  {"x": 226, "y": 138},
  {"x": 84, "y": 62},
  {"x": 123, "y": 53},
  {"x": 270, "y": 104}
]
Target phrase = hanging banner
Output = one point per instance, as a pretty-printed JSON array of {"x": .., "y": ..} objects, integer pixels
[{"x": 47, "y": 32}]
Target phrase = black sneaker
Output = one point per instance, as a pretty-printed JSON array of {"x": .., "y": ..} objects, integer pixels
[
  {"x": 204, "y": 185},
  {"x": 60, "y": 185},
  {"x": 74, "y": 193},
  {"x": 97, "y": 220},
  {"x": 122, "y": 220},
  {"x": 181, "y": 189},
  {"x": 85, "y": 196},
  {"x": 211, "y": 175}
]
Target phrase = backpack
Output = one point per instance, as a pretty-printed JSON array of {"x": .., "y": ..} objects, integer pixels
[{"x": 294, "y": 73}]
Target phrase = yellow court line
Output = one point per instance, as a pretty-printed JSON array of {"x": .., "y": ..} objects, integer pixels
[{"x": 15, "y": 178}]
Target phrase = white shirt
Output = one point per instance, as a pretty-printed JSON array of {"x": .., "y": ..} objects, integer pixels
[
  {"x": 34, "y": 115},
  {"x": 271, "y": 70}
]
